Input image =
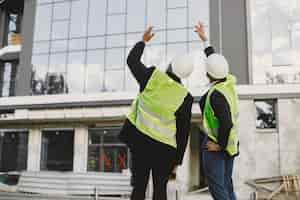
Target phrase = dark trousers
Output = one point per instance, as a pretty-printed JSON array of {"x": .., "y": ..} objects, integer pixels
[
  {"x": 157, "y": 160},
  {"x": 218, "y": 168}
]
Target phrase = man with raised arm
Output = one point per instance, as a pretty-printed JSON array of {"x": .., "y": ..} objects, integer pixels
[
  {"x": 219, "y": 108},
  {"x": 157, "y": 127}
]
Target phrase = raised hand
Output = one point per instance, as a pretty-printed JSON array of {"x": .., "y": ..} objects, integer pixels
[
  {"x": 148, "y": 35},
  {"x": 200, "y": 30}
]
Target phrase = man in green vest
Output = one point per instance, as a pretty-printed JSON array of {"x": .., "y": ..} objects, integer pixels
[
  {"x": 219, "y": 107},
  {"x": 157, "y": 128}
]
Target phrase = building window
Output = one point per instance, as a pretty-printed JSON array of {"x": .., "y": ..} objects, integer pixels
[
  {"x": 78, "y": 29},
  {"x": 266, "y": 114},
  {"x": 7, "y": 78},
  {"x": 13, "y": 150},
  {"x": 13, "y": 22},
  {"x": 275, "y": 41},
  {"x": 57, "y": 150},
  {"x": 105, "y": 152}
]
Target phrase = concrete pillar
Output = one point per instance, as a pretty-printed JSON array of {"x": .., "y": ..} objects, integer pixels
[
  {"x": 228, "y": 34},
  {"x": 34, "y": 150},
  {"x": 81, "y": 139},
  {"x": 183, "y": 171}
]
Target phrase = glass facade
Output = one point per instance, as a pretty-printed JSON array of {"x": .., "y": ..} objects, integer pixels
[
  {"x": 275, "y": 41},
  {"x": 84, "y": 44}
]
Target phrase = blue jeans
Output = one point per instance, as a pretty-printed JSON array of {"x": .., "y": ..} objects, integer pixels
[{"x": 218, "y": 167}]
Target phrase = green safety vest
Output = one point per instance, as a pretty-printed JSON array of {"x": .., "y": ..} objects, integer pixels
[
  {"x": 211, "y": 122},
  {"x": 153, "y": 111}
]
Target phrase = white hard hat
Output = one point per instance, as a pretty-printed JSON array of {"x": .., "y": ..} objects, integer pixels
[
  {"x": 217, "y": 66},
  {"x": 183, "y": 66}
]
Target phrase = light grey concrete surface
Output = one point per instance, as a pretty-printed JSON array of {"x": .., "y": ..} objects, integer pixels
[{"x": 289, "y": 126}]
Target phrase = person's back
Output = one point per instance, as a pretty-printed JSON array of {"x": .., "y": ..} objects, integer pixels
[
  {"x": 157, "y": 128},
  {"x": 219, "y": 106}
]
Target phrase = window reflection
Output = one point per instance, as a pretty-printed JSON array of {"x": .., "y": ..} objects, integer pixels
[
  {"x": 76, "y": 72},
  {"x": 79, "y": 15},
  {"x": 55, "y": 83},
  {"x": 84, "y": 54},
  {"x": 111, "y": 85},
  {"x": 97, "y": 12},
  {"x": 58, "y": 63},
  {"x": 38, "y": 76},
  {"x": 275, "y": 45},
  {"x": 157, "y": 13},
  {"x": 136, "y": 9},
  {"x": 115, "y": 41},
  {"x": 198, "y": 10},
  {"x": 59, "y": 46},
  {"x": 40, "y": 47},
  {"x": 177, "y": 35},
  {"x": 77, "y": 44},
  {"x": 177, "y": 3},
  {"x": 177, "y": 18},
  {"x": 134, "y": 38},
  {"x": 265, "y": 114},
  {"x": 96, "y": 43},
  {"x": 95, "y": 71},
  {"x": 116, "y": 6},
  {"x": 60, "y": 30},
  {"x": 43, "y": 22},
  {"x": 105, "y": 152},
  {"x": 115, "y": 24},
  {"x": 13, "y": 27},
  {"x": 115, "y": 58},
  {"x": 61, "y": 10}
]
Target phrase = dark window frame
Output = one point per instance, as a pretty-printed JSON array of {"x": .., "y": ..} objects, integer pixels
[
  {"x": 100, "y": 132},
  {"x": 13, "y": 76},
  {"x": 21, "y": 164},
  {"x": 268, "y": 118},
  {"x": 59, "y": 163}
]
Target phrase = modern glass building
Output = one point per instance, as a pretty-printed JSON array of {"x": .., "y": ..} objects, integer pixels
[{"x": 86, "y": 52}]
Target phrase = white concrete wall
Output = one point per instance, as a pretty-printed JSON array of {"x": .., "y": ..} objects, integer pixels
[
  {"x": 267, "y": 153},
  {"x": 34, "y": 150},
  {"x": 289, "y": 134},
  {"x": 81, "y": 138}
]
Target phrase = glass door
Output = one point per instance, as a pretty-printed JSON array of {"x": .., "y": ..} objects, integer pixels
[{"x": 57, "y": 150}]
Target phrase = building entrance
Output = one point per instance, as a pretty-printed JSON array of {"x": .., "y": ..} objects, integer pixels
[{"x": 57, "y": 150}]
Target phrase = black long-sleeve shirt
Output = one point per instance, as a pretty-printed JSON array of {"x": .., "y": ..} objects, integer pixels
[
  {"x": 130, "y": 134},
  {"x": 221, "y": 110}
]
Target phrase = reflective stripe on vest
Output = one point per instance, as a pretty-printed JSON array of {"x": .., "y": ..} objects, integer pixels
[
  {"x": 211, "y": 123},
  {"x": 154, "y": 115},
  {"x": 153, "y": 111},
  {"x": 151, "y": 125}
]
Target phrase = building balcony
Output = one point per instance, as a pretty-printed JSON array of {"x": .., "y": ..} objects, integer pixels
[{"x": 13, "y": 49}]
